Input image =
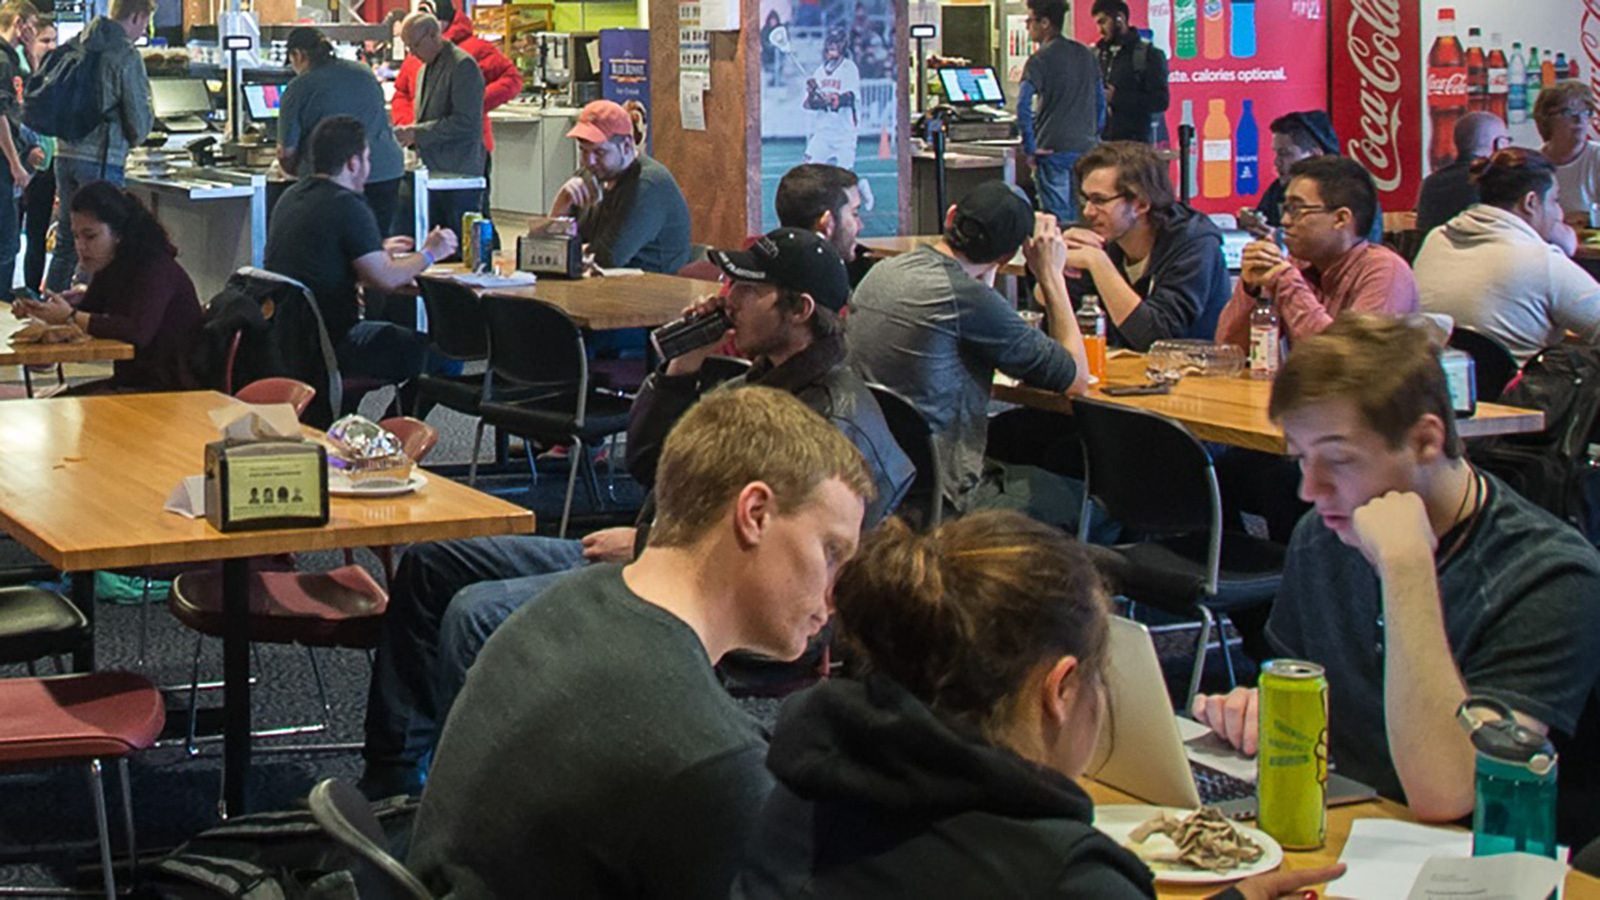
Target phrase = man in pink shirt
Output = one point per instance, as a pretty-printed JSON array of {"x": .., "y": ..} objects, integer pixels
[{"x": 1330, "y": 268}]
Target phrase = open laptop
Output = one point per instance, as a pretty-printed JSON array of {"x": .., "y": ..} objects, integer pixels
[{"x": 1141, "y": 750}]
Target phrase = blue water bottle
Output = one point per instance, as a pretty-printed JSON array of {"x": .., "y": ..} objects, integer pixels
[{"x": 1516, "y": 782}]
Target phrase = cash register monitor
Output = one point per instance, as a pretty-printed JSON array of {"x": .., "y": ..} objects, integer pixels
[
  {"x": 971, "y": 86},
  {"x": 261, "y": 101},
  {"x": 181, "y": 104}
]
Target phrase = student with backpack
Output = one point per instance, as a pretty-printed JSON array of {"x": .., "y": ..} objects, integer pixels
[
  {"x": 1135, "y": 75},
  {"x": 92, "y": 94},
  {"x": 16, "y": 25}
]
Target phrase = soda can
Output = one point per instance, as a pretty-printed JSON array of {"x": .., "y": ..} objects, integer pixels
[
  {"x": 1293, "y": 757},
  {"x": 469, "y": 236},
  {"x": 483, "y": 246}
]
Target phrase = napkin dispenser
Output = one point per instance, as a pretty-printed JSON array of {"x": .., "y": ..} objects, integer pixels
[
  {"x": 257, "y": 485},
  {"x": 1461, "y": 377},
  {"x": 551, "y": 247}
]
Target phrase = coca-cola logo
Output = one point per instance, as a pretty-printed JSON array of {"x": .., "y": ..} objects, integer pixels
[
  {"x": 1590, "y": 30},
  {"x": 1455, "y": 85},
  {"x": 1370, "y": 40}
]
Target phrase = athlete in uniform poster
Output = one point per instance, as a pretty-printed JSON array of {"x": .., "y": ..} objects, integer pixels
[{"x": 831, "y": 94}]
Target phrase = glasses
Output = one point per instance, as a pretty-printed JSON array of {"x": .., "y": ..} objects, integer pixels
[
  {"x": 1581, "y": 112},
  {"x": 1101, "y": 202},
  {"x": 1293, "y": 211}
]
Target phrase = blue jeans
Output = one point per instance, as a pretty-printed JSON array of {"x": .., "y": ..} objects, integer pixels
[
  {"x": 403, "y": 717},
  {"x": 1057, "y": 185},
  {"x": 72, "y": 174}
]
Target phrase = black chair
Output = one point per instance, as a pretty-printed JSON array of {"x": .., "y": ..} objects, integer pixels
[
  {"x": 912, "y": 432},
  {"x": 1493, "y": 363},
  {"x": 1150, "y": 474},
  {"x": 1587, "y": 860},
  {"x": 537, "y": 387},
  {"x": 344, "y": 813},
  {"x": 36, "y": 623},
  {"x": 458, "y": 332}
]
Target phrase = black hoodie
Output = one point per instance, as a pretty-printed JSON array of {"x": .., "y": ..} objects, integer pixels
[{"x": 879, "y": 798}]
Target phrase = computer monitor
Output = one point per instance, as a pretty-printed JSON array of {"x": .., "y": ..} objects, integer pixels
[
  {"x": 177, "y": 97},
  {"x": 261, "y": 101},
  {"x": 971, "y": 85}
]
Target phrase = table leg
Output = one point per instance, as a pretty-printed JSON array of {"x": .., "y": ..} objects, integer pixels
[
  {"x": 236, "y": 685},
  {"x": 83, "y": 599}
]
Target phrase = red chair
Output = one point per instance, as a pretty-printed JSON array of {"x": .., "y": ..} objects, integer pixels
[
  {"x": 279, "y": 390},
  {"x": 83, "y": 719}
]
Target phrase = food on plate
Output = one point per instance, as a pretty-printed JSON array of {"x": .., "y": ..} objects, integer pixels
[{"x": 1204, "y": 839}]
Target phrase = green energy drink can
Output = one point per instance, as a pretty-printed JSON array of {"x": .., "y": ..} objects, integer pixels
[
  {"x": 469, "y": 239},
  {"x": 1293, "y": 755}
]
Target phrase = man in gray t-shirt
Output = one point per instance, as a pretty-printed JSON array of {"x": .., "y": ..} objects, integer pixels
[
  {"x": 929, "y": 325},
  {"x": 1060, "y": 108}
]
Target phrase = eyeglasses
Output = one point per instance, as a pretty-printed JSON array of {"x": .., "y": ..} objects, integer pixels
[
  {"x": 1293, "y": 211},
  {"x": 1101, "y": 202},
  {"x": 1579, "y": 112}
]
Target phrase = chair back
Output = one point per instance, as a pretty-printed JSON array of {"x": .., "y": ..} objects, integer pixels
[
  {"x": 344, "y": 813},
  {"x": 293, "y": 341},
  {"x": 416, "y": 436},
  {"x": 533, "y": 344},
  {"x": 455, "y": 319},
  {"x": 297, "y": 394},
  {"x": 1491, "y": 361},
  {"x": 915, "y": 437},
  {"x": 1146, "y": 470}
]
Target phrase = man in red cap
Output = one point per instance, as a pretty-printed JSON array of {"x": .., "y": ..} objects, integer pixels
[{"x": 630, "y": 211}]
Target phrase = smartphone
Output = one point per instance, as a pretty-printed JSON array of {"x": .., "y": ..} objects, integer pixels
[
  {"x": 25, "y": 293},
  {"x": 1137, "y": 390}
]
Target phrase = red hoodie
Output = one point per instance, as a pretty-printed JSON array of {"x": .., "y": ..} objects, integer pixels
[{"x": 501, "y": 80}]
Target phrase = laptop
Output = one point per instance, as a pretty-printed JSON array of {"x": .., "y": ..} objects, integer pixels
[{"x": 1142, "y": 748}]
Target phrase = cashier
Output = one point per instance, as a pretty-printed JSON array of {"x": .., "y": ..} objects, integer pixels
[
  {"x": 630, "y": 211},
  {"x": 324, "y": 86}
]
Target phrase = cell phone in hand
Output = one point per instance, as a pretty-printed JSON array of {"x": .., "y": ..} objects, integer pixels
[
  {"x": 1137, "y": 390},
  {"x": 25, "y": 293}
]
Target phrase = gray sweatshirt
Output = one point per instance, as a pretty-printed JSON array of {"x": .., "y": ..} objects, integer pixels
[{"x": 124, "y": 98}]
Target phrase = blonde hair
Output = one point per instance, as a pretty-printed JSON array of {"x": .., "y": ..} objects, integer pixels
[
  {"x": 1554, "y": 99},
  {"x": 733, "y": 438}
]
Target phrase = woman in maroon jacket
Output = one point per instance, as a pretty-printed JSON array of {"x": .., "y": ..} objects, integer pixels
[{"x": 137, "y": 292}]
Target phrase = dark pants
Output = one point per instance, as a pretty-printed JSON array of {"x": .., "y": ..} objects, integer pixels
[
  {"x": 383, "y": 197},
  {"x": 10, "y": 238},
  {"x": 382, "y": 350},
  {"x": 446, "y": 209},
  {"x": 38, "y": 208}
]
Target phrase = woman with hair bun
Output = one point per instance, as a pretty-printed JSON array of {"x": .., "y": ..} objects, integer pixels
[{"x": 945, "y": 767}]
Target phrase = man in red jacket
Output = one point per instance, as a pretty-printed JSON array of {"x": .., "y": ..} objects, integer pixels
[{"x": 501, "y": 80}]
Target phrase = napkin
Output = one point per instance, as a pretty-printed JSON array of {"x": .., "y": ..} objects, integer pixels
[
  {"x": 1508, "y": 876},
  {"x": 1385, "y": 856},
  {"x": 257, "y": 422},
  {"x": 188, "y": 498}
]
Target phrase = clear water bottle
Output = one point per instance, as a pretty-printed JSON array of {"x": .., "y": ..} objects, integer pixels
[
  {"x": 1515, "y": 810},
  {"x": 1266, "y": 336},
  {"x": 1092, "y": 323}
]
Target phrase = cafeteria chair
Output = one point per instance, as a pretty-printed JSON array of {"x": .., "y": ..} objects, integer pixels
[
  {"x": 536, "y": 351},
  {"x": 915, "y": 437},
  {"x": 458, "y": 333},
  {"x": 346, "y": 815},
  {"x": 85, "y": 719},
  {"x": 36, "y": 623},
  {"x": 267, "y": 391},
  {"x": 1151, "y": 475},
  {"x": 1492, "y": 364}
]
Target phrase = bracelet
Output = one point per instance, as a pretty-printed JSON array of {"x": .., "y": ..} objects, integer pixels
[{"x": 426, "y": 255}]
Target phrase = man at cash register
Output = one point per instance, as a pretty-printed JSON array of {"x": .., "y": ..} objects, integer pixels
[{"x": 630, "y": 211}]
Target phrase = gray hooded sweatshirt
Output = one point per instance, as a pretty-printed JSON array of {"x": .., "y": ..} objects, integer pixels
[{"x": 127, "y": 115}]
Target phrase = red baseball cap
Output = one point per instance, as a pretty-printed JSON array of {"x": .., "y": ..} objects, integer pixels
[{"x": 600, "y": 121}]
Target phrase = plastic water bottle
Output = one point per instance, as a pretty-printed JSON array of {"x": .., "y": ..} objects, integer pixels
[
  {"x": 1517, "y": 87},
  {"x": 1515, "y": 810},
  {"x": 1242, "y": 29},
  {"x": 1092, "y": 323}
]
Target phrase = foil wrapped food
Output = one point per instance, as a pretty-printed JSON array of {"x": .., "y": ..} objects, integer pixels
[{"x": 367, "y": 453}]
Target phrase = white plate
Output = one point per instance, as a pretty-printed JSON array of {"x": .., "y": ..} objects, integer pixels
[
  {"x": 1118, "y": 821},
  {"x": 339, "y": 486}
]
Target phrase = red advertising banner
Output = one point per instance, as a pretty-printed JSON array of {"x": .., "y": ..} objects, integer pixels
[
  {"x": 1235, "y": 65},
  {"x": 1378, "y": 100}
]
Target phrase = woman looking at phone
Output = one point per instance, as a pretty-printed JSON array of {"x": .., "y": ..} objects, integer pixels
[
  {"x": 137, "y": 293},
  {"x": 947, "y": 766}
]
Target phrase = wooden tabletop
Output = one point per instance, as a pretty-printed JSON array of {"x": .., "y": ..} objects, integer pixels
[
  {"x": 92, "y": 350},
  {"x": 1340, "y": 818},
  {"x": 614, "y": 301},
  {"x": 84, "y": 479},
  {"x": 1588, "y": 244},
  {"x": 1234, "y": 410},
  {"x": 898, "y": 244}
]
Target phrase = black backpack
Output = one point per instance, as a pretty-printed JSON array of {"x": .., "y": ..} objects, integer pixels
[
  {"x": 1551, "y": 467},
  {"x": 62, "y": 99}
]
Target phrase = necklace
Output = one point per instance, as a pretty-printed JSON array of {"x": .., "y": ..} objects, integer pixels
[{"x": 1474, "y": 492}]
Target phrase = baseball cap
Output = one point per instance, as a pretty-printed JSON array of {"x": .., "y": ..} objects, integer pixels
[
  {"x": 791, "y": 258},
  {"x": 992, "y": 221},
  {"x": 600, "y": 121}
]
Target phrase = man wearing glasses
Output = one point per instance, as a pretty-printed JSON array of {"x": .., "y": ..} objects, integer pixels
[
  {"x": 1564, "y": 113},
  {"x": 1451, "y": 190},
  {"x": 1330, "y": 267}
]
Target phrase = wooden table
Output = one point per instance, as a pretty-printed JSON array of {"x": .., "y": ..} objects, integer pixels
[
  {"x": 1234, "y": 410},
  {"x": 1588, "y": 253},
  {"x": 1340, "y": 818},
  {"x": 84, "y": 481},
  {"x": 92, "y": 350},
  {"x": 898, "y": 244},
  {"x": 616, "y": 301}
]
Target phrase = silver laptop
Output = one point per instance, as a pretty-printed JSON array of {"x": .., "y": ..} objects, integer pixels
[{"x": 1141, "y": 751}]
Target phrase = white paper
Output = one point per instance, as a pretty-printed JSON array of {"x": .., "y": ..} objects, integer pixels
[
  {"x": 692, "y": 100},
  {"x": 188, "y": 497},
  {"x": 1201, "y": 745},
  {"x": 1508, "y": 876},
  {"x": 257, "y": 422},
  {"x": 1385, "y": 856},
  {"x": 619, "y": 272},
  {"x": 486, "y": 280}
]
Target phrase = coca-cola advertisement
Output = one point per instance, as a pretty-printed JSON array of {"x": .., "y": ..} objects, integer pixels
[
  {"x": 1234, "y": 66},
  {"x": 1378, "y": 108}
]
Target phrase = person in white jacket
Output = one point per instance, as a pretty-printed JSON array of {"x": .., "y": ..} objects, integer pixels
[{"x": 1503, "y": 267}]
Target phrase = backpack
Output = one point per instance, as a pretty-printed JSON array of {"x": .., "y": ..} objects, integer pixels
[
  {"x": 1551, "y": 467},
  {"x": 62, "y": 99}
]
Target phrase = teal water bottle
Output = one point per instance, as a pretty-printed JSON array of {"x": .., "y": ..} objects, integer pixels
[{"x": 1516, "y": 782}]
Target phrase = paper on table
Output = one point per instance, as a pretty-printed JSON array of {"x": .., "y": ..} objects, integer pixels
[
  {"x": 1384, "y": 856},
  {"x": 491, "y": 280},
  {"x": 692, "y": 99},
  {"x": 256, "y": 422},
  {"x": 1509, "y": 876},
  {"x": 1205, "y": 748},
  {"x": 619, "y": 272},
  {"x": 188, "y": 498}
]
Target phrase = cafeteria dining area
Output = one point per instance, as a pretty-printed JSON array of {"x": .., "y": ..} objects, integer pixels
[{"x": 821, "y": 449}]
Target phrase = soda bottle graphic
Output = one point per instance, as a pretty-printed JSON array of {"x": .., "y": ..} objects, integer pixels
[
  {"x": 1535, "y": 78},
  {"x": 1517, "y": 87},
  {"x": 1213, "y": 30},
  {"x": 1242, "y": 29},
  {"x": 1194, "y": 149},
  {"x": 1477, "y": 73},
  {"x": 1547, "y": 69},
  {"x": 1216, "y": 151},
  {"x": 1572, "y": 67},
  {"x": 1161, "y": 25},
  {"x": 1447, "y": 90},
  {"x": 1561, "y": 67},
  {"x": 1183, "y": 21},
  {"x": 1499, "y": 79},
  {"x": 1247, "y": 154}
]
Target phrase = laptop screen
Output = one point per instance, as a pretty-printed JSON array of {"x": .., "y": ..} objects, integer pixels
[
  {"x": 971, "y": 85},
  {"x": 262, "y": 100}
]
